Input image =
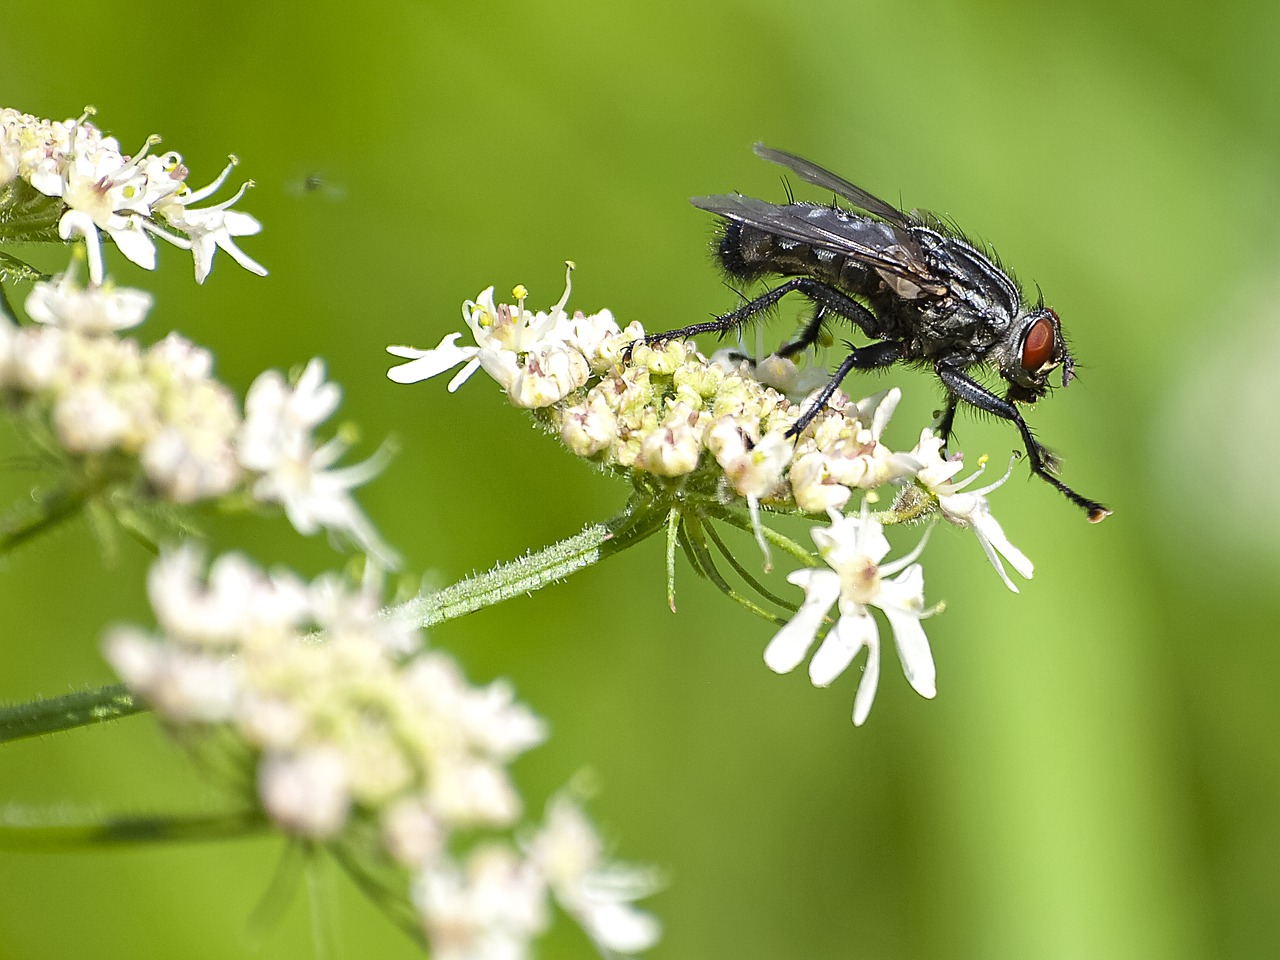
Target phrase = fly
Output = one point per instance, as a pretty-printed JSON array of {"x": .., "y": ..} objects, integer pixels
[{"x": 911, "y": 282}]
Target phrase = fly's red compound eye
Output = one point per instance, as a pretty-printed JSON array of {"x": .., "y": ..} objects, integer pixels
[{"x": 1037, "y": 349}]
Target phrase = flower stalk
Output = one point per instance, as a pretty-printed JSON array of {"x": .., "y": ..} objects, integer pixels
[
  {"x": 127, "y": 831},
  {"x": 57, "y": 714}
]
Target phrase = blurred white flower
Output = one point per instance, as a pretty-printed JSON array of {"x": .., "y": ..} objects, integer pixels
[
  {"x": 489, "y": 910},
  {"x": 306, "y": 794},
  {"x": 276, "y": 442},
  {"x": 62, "y": 302},
  {"x": 595, "y": 892}
]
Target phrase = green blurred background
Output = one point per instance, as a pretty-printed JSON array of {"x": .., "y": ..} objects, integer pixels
[{"x": 1098, "y": 777}]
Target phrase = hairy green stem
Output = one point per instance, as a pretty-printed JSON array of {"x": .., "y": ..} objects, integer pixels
[
  {"x": 56, "y": 714},
  {"x": 640, "y": 520}
]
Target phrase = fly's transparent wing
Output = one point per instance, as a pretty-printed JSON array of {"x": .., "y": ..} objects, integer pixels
[
  {"x": 881, "y": 245},
  {"x": 810, "y": 172}
]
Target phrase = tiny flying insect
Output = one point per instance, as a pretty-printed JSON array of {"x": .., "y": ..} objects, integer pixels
[{"x": 910, "y": 282}]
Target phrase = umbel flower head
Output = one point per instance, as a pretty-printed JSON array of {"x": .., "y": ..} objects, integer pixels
[
  {"x": 65, "y": 179},
  {"x": 116, "y": 408},
  {"x": 665, "y": 410},
  {"x": 699, "y": 439},
  {"x": 345, "y": 730}
]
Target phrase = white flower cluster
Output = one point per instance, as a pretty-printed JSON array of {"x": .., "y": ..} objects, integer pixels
[
  {"x": 130, "y": 199},
  {"x": 349, "y": 723},
  {"x": 103, "y": 395},
  {"x": 666, "y": 410},
  {"x": 663, "y": 409}
]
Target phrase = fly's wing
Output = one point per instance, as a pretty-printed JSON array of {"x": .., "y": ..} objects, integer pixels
[
  {"x": 882, "y": 246},
  {"x": 810, "y": 172}
]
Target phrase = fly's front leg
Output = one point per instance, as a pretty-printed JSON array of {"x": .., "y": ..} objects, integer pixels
[
  {"x": 859, "y": 358},
  {"x": 966, "y": 389}
]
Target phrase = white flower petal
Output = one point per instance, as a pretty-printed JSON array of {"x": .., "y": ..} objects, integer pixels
[
  {"x": 790, "y": 644},
  {"x": 851, "y": 633},
  {"x": 903, "y": 603},
  {"x": 870, "y": 680},
  {"x": 429, "y": 363},
  {"x": 991, "y": 535}
]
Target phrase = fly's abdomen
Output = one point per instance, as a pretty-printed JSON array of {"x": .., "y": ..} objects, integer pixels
[{"x": 749, "y": 253}]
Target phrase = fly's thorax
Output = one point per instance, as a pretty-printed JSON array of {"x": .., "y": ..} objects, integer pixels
[{"x": 977, "y": 284}]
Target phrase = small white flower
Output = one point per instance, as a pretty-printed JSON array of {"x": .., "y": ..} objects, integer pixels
[
  {"x": 787, "y": 378},
  {"x": 306, "y": 793},
  {"x": 276, "y": 442},
  {"x": 675, "y": 446},
  {"x": 596, "y": 893},
  {"x": 64, "y": 303},
  {"x": 424, "y": 364},
  {"x": 212, "y": 227},
  {"x": 592, "y": 336},
  {"x": 755, "y": 470},
  {"x": 841, "y": 450},
  {"x": 589, "y": 427},
  {"x": 10, "y": 158},
  {"x": 88, "y": 420},
  {"x": 537, "y": 358},
  {"x": 853, "y": 547},
  {"x": 105, "y": 192},
  {"x": 968, "y": 508}
]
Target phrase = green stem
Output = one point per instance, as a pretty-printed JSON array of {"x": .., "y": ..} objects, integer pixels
[
  {"x": 11, "y": 269},
  {"x": 673, "y": 538},
  {"x": 742, "y": 571},
  {"x": 6, "y": 308},
  {"x": 66, "y": 713},
  {"x": 323, "y": 908},
  {"x": 111, "y": 831},
  {"x": 549, "y": 565},
  {"x": 700, "y": 558},
  {"x": 383, "y": 887},
  {"x": 51, "y": 509},
  {"x": 785, "y": 543},
  {"x": 275, "y": 901}
]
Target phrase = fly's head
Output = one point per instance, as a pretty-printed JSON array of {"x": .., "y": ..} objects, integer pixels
[{"x": 1033, "y": 349}]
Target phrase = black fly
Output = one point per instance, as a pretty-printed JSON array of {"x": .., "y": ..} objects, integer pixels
[{"x": 909, "y": 282}]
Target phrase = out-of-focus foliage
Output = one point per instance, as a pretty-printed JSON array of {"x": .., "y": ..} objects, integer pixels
[{"x": 1098, "y": 776}]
